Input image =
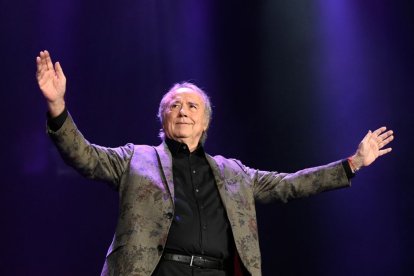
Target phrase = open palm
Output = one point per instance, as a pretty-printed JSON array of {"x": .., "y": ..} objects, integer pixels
[
  {"x": 372, "y": 146},
  {"x": 51, "y": 80}
]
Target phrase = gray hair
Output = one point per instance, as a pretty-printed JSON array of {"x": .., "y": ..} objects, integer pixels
[{"x": 165, "y": 100}]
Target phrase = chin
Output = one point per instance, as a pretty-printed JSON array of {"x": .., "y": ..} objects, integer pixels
[{"x": 181, "y": 136}]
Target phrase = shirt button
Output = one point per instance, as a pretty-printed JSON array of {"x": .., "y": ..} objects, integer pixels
[
  {"x": 169, "y": 215},
  {"x": 196, "y": 190},
  {"x": 194, "y": 171},
  {"x": 204, "y": 227}
]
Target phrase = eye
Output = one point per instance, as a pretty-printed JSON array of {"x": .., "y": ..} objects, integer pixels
[
  {"x": 175, "y": 106},
  {"x": 193, "y": 106}
]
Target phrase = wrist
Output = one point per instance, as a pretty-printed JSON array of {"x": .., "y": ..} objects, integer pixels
[
  {"x": 355, "y": 163},
  {"x": 56, "y": 107}
]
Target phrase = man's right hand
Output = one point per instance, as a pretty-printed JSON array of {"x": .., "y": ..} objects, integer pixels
[{"x": 52, "y": 83}]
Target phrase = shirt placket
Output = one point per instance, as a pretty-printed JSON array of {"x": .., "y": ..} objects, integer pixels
[{"x": 197, "y": 189}]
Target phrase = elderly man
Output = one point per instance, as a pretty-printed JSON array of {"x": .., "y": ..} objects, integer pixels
[{"x": 182, "y": 211}]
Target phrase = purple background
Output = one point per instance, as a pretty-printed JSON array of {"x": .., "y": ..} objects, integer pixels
[{"x": 294, "y": 84}]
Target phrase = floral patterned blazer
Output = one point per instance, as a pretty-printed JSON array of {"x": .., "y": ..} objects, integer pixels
[{"x": 142, "y": 175}]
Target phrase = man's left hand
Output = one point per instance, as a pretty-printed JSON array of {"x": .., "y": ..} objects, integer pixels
[{"x": 371, "y": 147}]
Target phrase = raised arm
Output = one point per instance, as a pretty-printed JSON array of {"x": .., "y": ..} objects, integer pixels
[
  {"x": 285, "y": 186},
  {"x": 93, "y": 161},
  {"x": 52, "y": 83}
]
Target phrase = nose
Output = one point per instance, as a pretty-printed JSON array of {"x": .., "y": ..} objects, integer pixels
[{"x": 183, "y": 112}]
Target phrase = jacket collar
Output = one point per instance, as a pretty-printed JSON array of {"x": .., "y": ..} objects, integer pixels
[{"x": 164, "y": 156}]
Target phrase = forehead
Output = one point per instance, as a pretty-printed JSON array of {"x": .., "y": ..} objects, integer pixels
[{"x": 185, "y": 94}]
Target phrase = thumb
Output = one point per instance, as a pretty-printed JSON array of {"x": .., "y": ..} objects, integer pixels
[
  {"x": 367, "y": 136},
  {"x": 59, "y": 70}
]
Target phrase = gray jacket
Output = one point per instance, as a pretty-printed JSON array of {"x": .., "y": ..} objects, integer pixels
[{"x": 142, "y": 175}]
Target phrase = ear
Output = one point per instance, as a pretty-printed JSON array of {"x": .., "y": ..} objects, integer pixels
[{"x": 205, "y": 125}]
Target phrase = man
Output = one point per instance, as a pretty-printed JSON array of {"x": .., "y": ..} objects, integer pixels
[{"x": 183, "y": 212}]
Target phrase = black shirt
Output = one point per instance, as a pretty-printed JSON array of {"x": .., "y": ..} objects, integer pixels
[{"x": 200, "y": 225}]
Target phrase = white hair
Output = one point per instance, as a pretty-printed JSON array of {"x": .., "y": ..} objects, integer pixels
[{"x": 165, "y": 100}]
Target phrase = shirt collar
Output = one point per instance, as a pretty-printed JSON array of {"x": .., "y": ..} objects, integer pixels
[{"x": 176, "y": 147}]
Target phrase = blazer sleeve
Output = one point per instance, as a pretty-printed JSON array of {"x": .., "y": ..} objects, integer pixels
[
  {"x": 270, "y": 186},
  {"x": 92, "y": 161}
]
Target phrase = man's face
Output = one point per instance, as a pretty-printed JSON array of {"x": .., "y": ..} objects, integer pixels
[{"x": 184, "y": 118}]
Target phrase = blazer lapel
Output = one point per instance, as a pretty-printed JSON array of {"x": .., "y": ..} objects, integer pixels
[
  {"x": 165, "y": 159},
  {"x": 217, "y": 172}
]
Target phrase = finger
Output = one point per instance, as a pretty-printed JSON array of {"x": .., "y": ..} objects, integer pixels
[
  {"x": 59, "y": 70},
  {"x": 48, "y": 61},
  {"x": 40, "y": 61},
  {"x": 386, "y": 134},
  {"x": 379, "y": 131},
  {"x": 386, "y": 141},
  {"x": 367, "y": 136},
  {"x": 384, "y": 151},
  {"x": 38, "y": 64},
  {"x": 41, "y": 67},
  {"x": 43, "y": 60}
]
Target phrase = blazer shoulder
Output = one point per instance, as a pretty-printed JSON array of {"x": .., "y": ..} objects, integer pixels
[
  {"x": 143, "y": 148},
  {"x": 228, "y": 163}
]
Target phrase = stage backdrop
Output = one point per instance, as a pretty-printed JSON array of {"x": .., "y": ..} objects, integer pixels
[{"x": 293, "y": 84}]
